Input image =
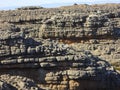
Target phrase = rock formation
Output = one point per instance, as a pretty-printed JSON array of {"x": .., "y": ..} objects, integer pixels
[{"x": 62, "y": 48}]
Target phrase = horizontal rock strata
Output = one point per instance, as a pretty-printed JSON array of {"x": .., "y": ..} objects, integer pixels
[{"x": 62, "y": 48}]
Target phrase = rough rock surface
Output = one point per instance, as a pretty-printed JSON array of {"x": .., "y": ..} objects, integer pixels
[{"x": 62, "y": 48}]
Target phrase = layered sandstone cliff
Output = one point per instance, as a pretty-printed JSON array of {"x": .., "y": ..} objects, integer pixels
[{"x": 62, "y": 48}]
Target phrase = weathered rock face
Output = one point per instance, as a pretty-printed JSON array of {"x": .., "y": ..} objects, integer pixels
[{"x": 63, "y": 48}]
